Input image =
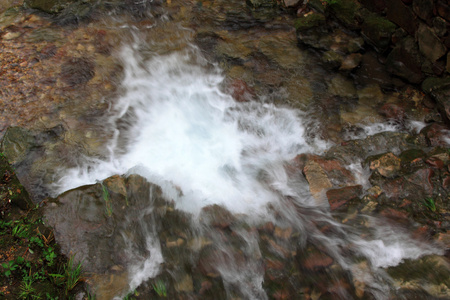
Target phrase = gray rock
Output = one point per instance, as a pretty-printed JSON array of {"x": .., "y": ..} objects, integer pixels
[
  {"x": 405, "y": 61},
  {"x": 429, "y": 43}
]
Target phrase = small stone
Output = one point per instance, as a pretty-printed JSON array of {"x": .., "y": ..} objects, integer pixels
[
  {"x": 440, "y": 26},
  {"x": 340, "y": 197},
  {"x": 176, "y": 243},
  {"x": 317, "y": 178},
  {"x": 283, "y": 233},
  {"x": 351, "y": 62},
  {"x": 186, "y": 284},
  {"x": 11, "y": 35},
  {"x": 387, "y": 165},
  {"x": 317, "y": 260}
]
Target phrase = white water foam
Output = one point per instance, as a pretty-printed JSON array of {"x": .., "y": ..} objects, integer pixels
[
  {"x": 185, "y": 134},
  {"x": 185, "y": 130}
]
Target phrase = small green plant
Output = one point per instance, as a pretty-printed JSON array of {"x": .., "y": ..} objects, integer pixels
[
  {"x": 72, "y": 274},
  {"x": 160, "y": 288},
  {"x": 9, "y": 267},
  {"x": 430, "y": 204},
  {"x": 107, "y": 200},
  {"x": 50, "y": 256},
  {"x": 26, "y": 290},
  {"x": 20, "y": 231},
  {"x": 90, "y": 296},
  {"x": 129, "y": 295}
]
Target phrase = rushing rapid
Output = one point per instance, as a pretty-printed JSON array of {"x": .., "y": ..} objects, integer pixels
[{"x": 177, "y": 125}]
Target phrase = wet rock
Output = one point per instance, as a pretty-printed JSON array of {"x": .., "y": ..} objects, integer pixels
[
  {"x": 291, "y": 3},
  {"x": 207, "y": 41},
  {"x": 95, "y": 225},
  {"x": 283, "y": 233},
  {"x": 332, "y": 59},
  {"x": 339, "y": 198},
  {"x": 311, "y": 31},
  {"x": 429, "y": 43},
  {"x": 351, "y": 61},
  {"x": 185, "y": 284},
  {"x": 216, "y": 216},
  {"x": 412, "y": 158},
  {"x": 448, "y": 63},
  {"x": 393, "y": 112},
  {"x": 436, "y": 269},
  {"x": 343, "y": 87},
  {"x": 116, "y": 184},
  {"x": 436, "y": 134},
  {"x": 424, "y": 9},
  {"x": 374, "y": 5},
  {"x": 443, "y": 9},
  {"x": 317, "y": 178},
  {"x": 77, "y": 71},
  {"x": 16, "y": 144},
  {"x": 240, "y": 91},
  {"x": 439, "y": 89},
  {"x": 405, "y": 61},
  {"x": 261, "y": 3},
  {"x": 377, "y": 30},
  {"x": 371, "y": 71},
  {"x": 313, "y": 259},
  {"x": 11, "y": 190},
  {"x": 360, "y": 149},
  {"x": 309, "y": 21},
  {"x": 440, "y": 26},
  {"x": 402, "y": 15},
  {"x": 423, "y": 179}
]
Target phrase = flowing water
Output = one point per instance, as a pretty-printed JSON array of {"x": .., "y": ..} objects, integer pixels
[{"x": 177, "y": 124}]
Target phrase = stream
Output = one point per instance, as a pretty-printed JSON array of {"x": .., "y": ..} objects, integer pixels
[{"x": 208, "y": 166}]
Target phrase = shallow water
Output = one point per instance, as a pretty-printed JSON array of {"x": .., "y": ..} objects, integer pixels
[{"x": 176, "y": 120}]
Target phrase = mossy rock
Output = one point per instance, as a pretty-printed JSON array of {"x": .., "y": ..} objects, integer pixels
[
  {"x": 377, "y": 30},
  {"x": 48, "y": 6},
  {"x": 317, "y": 5},
  {"x": 309, "y": 21},
  {"x": 345, "y": 11},
  {"x": 433, "y": 83},
  {"x": 261, "y": 3},
  {"x": 16, "y": 144}
]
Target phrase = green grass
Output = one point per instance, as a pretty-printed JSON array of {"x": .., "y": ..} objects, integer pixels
[
  {"x": 160, "y": 288},
  {"x": 107, "y": 200},
  {"x": 73, "y": 274},
  {"x": 430, "y": 204}
]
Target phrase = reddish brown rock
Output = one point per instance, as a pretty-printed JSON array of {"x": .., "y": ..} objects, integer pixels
[
  {"x": 435, "y": 162},
  {"x": 446, "y": 183},
  {"x": 394, "y": 214},
  {"x": 422, "y": 178},
  {"x": 240, "y": 91},
  {"x": 317, "y": 179},
  {"x": 274, "y": 264},
  {"x": 317, "y": 260},
  {"x": 387, "y": 165},
  {"x": 443, "y": 9},
  {"x": 436, "y": 134},
  {"x": 340, "y": 197},
  {"x": 402, "y": 15},
  {"x": 216, "y": 216},
  {"x": 393, "y": 111}
]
